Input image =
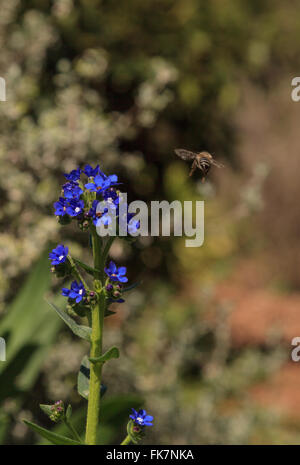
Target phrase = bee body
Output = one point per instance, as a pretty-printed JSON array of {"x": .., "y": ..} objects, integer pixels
[{"x": 201, "y": 160}]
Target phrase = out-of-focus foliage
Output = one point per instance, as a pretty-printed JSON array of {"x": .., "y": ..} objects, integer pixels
[
  {"x": 29, "y": 329},
  {"x": 122, "y": 83},
  {"x": 194, "y": 366}
]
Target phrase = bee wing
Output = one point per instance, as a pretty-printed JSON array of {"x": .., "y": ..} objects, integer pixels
[
  {"x": 218, "y": 165},
  {"x": 185, "y": 154}
]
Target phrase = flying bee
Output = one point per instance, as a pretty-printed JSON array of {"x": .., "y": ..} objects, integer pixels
[{"x": 202, "y": 160}]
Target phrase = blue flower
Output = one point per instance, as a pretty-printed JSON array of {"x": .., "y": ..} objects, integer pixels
[
  {"x": 90, "y": 172},
  {"x": 100, "y": 217},
  {"x": 141, "y": 418},
  {"x": 75, "y": 207},
  {"x": 112, "y": 198},
  {"x": 74, "y": 175},
  {"x": 105, "y": 219},
  {"x": 101, "y": 182},
  {"x": 97, "y": 216},
  {"x": 134, "y": 225},
  {"x": 112, "y": 179},
  {"x": 76, "y": 292},
  {"x": 60, "y": 207},
  {"x": 72, "y": 190},
  {"x": 116, "y": 274},
  {"x": 92, "y": 210},
  {"x": 58, "y": 255}
]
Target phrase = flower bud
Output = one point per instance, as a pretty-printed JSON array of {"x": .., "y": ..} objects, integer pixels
[
  {"x": 57, "y": 411},
  {"x": 84, "y": 225}
]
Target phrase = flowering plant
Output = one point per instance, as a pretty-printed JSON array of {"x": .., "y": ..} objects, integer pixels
[{"x": 90, "y": 299}]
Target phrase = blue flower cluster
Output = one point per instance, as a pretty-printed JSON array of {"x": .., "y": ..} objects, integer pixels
[
  {"x": 141, "y": 418},
  {"x": 80, "y": 199}
]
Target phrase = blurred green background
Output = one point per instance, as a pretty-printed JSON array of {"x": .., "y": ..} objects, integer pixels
[{"x": 205, "y": 340}]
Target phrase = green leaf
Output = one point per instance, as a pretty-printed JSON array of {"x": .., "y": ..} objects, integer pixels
[
  {"x": 81, "y": 331},
  {"x": 109, "y": 312},
  {"x": 69, "y": 412},
  {"x": 87, "y": 268},
  {"x": 129, "y": 432},
  {"x": 83, "y": 380},
  {"x": 52, "y": 437},
  {"x": 30, "y": 329},
  {"x": 46, "y": 409},
  {"x": 113, "y": 352}
]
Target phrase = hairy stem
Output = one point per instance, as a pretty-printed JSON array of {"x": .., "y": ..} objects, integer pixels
[
  {"x": 96, "y": 346},
  {"x": 126, "y": 441}
]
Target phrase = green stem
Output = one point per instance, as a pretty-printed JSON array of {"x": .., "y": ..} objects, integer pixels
[
  {"x": 126, "y": 441},
  {"x": 73, "y": 431},
  {"x": 96, "y": 347}
]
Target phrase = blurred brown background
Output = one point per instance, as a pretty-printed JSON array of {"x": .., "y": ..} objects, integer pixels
[{"x": 206, "y": 338}]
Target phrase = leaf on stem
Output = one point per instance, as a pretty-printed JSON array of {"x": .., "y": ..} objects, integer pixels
[
  {"x": 128, "y": 288},
  {"x": 87, "y": 268},
  {"x": 46, "y": 409},
  {"x": 50, "y": 436},
  {"x": 113, "y": 352},
  {"x": 81, "y": 331},
  {"x": 83, "y": 380},
  {"x": 133, "y": 438},
  {"x": 109, "y": 312},
  {"x": 69, "y": 412}
]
